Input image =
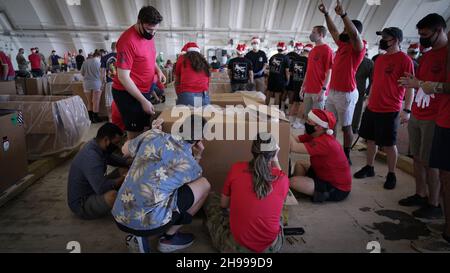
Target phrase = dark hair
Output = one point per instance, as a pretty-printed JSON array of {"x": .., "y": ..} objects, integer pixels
[
  {"x": 53, "y": 51},
  {"x": 260, "y": 167},
  {"x": 193, "y": 122},
  {"x": 198, "y": 62},
  {"x": 432, "y": 21},
  {"x": 214, "y": 57},
  {"x": 149, "y": 15},
  {"x": 80, "y": 51},
  {"x": 108, "y": 130},
  {"x": 358, "y": 25},
  {"x": 322, "y": 30},
  {"x": 96, "y": 54}
]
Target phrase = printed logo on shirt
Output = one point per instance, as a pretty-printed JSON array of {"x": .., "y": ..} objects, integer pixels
[
  {"x": 275, "y": 66},
  {"x": 122, "y": 58},
  {"x": 111, "y": 67},
  {"x": 240, "y": 71},
  {"x": 299, "y": 71},
  {"x": 261, "y": 59},
  {"x": 390, "y": 68}
]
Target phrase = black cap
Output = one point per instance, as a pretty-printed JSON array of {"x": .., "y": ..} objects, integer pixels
[{"x": 393, "y": 32}]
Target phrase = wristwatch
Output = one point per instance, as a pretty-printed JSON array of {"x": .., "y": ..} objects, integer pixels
[{"x": 407, "y": 111}]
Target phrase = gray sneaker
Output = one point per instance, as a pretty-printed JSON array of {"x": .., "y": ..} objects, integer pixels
[
  {"x": 433, "y": 244},
  {"x": 137, "y": 244}
]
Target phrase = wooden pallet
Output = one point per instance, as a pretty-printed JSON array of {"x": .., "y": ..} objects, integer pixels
[{"x": 37, "y": 170}]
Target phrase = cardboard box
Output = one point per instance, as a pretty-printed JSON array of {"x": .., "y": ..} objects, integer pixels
[
  {"x": 220, "y": 155},
  {"x": 64, "y": 83},
  {"x": 53, "y": 124},
  {"x": 215, "y": 88},
  {"x": 233, "y": 99},
  {"x": 34, "y": 86},
  {"x": 13, "y": 155},
  {"x": 21, "y": 86},
  {"x": 8, "y": 88}
]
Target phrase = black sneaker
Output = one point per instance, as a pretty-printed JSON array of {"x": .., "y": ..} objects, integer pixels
[
  {"x": 413, "y": 201},
  {"x": 428, "y": 212},
  {"x": 367, "y": 171},
  {"x": 391, "y": 181}
]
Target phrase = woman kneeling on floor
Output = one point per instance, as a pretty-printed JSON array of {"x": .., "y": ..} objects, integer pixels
[
  {"x": 329, "y": 177},
  {"x": 247, "y": 216}
]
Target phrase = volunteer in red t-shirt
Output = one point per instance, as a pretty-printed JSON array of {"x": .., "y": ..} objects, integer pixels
[
  {"x": 192, "y": 77},
  {"x": 328, "y": 178},
  {"x": 136, "y": 65},
  {"x": 440, "y": 151},
  {"x": 426, "y": 115},
  {"x": 380, "y": 121},
  {"x": 9, "y": 74},
  {"x": 35, "y": 61},
  {"x": 343, "y": 94},
  {"x": 318, "y": 74},
  {"x": 254, "y": 192}
]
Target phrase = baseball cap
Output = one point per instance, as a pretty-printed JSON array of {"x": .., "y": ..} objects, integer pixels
[{"x": 393, "y": 32}]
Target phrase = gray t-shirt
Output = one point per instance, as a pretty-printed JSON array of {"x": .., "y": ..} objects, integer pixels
[{"x": 91, "y": 70}]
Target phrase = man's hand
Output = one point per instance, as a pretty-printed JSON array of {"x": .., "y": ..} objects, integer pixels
[
  {"x": 157, "y": 124},
  {"x": 409, "y": 81},
  {"x": 147, "y": 107},
  {"x": 162, "y": 78},
  {"x": 404, "y": 117},
  {"x": 322, "y": 8},
  {"x": 197, "y": 150},
  {"x": 339, "y": 8}
]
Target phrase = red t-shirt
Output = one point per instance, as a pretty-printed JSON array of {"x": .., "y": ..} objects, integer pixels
[
  {"x": 35, "y": 61},
  {"x": 138, "y": 55},
  {"x": 254, "y": 223},
  {"x": 189, "y": 80},
  {"x": 432, "y": 67},
  {"x": 6, "y": 60},
  {"x": 328, "y": 161},
  {"x": 345, "y": 65},
  {"x": 387, "y": 95},
  {"x": 320, "y": 60}
]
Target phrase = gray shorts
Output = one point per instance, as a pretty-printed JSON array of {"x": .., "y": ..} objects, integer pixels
[
  {"x": 94, "y": 207},
  {"x": 342, "y": 105},
  {"x": 421, "y": 133},
  {"x": 311, "y": 101},
  {"x": 92, "y": 86}
]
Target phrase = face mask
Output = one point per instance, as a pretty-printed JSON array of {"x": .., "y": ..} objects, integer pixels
[
  {"x": 255, "y": 46},
  {"x": 344, "y": 38},
  {"x": 313, "y": 37},
  {"x": 280, "y": 51},
  {"x": 384, "y": 45},
  {"x": 214, "y": 61},
  {"x": 426, "y": 42},
  {"x": 309, "y": 129},
  {"x": 146, "y": 35}
]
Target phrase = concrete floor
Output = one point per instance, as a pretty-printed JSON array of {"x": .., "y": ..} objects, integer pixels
[{"x": 39, "y": 220}]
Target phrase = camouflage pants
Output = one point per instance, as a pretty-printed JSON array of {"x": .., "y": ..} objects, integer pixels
[{"x": 218, "y": 225}]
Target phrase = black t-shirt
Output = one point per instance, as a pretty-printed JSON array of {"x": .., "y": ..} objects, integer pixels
[
  {"x": 79, "y": 59},
  {"x": 215, "y": 65},
  {"x": 258, "y": 59},
  {"x": 277, "y": 67},
  {"x": 240, "y": 68},
  {"x": 297, "y": 67}
]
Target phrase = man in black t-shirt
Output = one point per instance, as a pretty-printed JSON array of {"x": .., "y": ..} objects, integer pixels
[
  {"x": 259, "y": 62},
  {"x": 240, "y": 71},
  {"x": 297, "y": 69},
  {"x": 79, "y": 59},
  {"x": 279, "y": 75}
]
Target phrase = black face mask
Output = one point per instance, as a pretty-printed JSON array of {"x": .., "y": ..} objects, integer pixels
[
  {"x": 427, "y": 43},
  {"x": 344, "y": 38},
  {"x": 146, "y": 35},
  {"x": 309, "y": 129},
  {"x": 111, "y": 148},
  {"x": 384, "y": 45}
]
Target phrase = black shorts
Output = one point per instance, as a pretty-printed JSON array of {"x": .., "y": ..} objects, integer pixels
[
  {"x": 133, "y": 116},
  {"x": 440, "y": 151},
  {"x": 380, "y": 127},
  {"x": 185, "y": 200},
  {"x": 276, "y": 85},
  {"x": 295, "y": 88},
  {"x": 322, "y": 186}
]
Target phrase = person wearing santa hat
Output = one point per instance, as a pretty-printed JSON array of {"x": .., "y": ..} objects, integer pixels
[
  {"x": 240, "y": 71},
  {"x": 279, "y": 76},
  {"x": 317, "y": 79},
  {"x": 259, "y": 64},
  {"x": 297, "y": 69},
  {"x": 413, "y": 52},
  {"x": 192, "y": 77},
  {"x": 328, "y": 178}
]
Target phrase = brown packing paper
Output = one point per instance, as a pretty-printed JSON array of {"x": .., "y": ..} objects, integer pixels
[
  {"x": 13, "y": 156},
  {"x": 219, "y": 88},
  {"x": 52, "y": 124},
  {"x": 220, "y": 155}
]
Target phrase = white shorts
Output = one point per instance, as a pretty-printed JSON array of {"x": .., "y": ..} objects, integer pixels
[
  {"x": 108, "y": 94},
  {"x": 342, "y": 105}
]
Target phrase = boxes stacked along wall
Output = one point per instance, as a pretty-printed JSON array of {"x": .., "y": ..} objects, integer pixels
[{"x": 52, "y": 124}]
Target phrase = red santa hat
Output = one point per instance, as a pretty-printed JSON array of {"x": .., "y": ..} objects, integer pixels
[
  {"x": 241, "y": 48},
  {"x": 308, "y": 47},
  {"x": 191, "y": 47},
  {"x": 299, "y": 46},
  {"x": 255, "y": 40},
  {"x": 324, "y": 119},
  {"x": 414, "y": 48},
  {"x": 281, "y": 46}
]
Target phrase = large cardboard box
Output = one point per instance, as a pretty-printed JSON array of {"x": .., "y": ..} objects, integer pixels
[
  {"x": 52, "y": 124},
  {"x": 13, "y": 155},
  {"x": 35, "y": 86},
  {"x": 21, "y": 86},
  {"x": 233, "y": 99},
  {"x": 221, "y": 154},
  {"x": 64, "y": 83},
  {"x": 8, "y": 88},
  {"x": 219, "y": 88}
]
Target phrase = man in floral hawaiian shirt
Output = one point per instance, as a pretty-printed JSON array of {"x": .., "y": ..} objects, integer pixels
[{"x": 164, "y": 187}]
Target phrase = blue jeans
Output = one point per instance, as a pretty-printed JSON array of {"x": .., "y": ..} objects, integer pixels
[{"x": 188, "y": 99}]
